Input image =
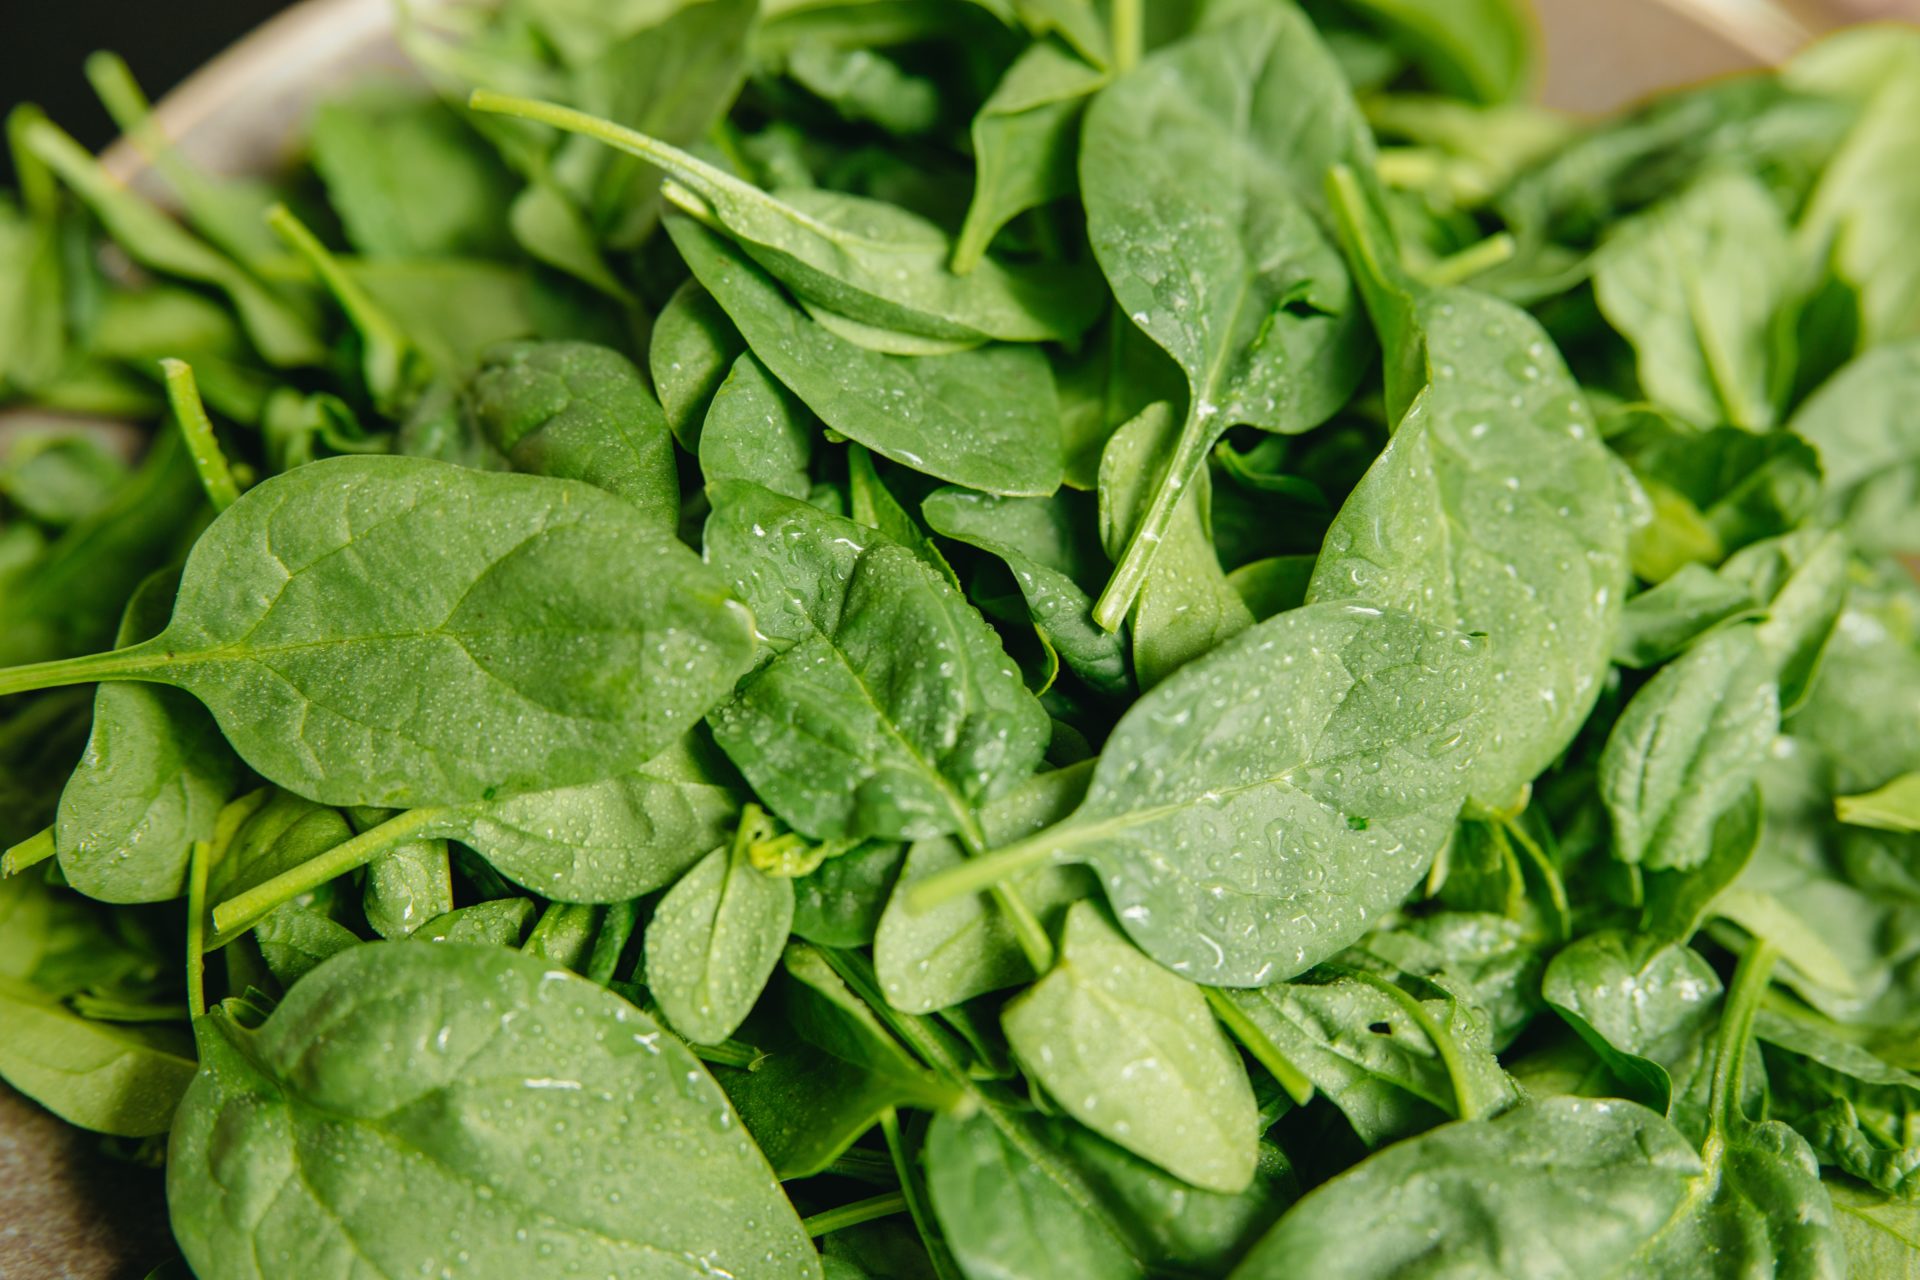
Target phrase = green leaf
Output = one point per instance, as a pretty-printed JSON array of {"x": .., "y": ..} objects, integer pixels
[
  {"x": 1694, "y": 284},
  {"x": 1512, "y": 511},
  {"x": 757, "y": 430},
  {"x": 1687, "y": 747},
  {"x": 1641, "y": 1006},
  {"x": 1894, "y": 807},
  {"x": 1881, "y": 1235},
  {"x": 693, "y": 349},
  {"x": 1052, "y": 547},
  {"x": 1855, "y": 1110},
  {"x": 408, "y": 178},
  {"x": 714, "y": 940},
  {"x": 499, "y": 923},
  {"x": 1871, "y": 465},
  {"x": 408, "y": 887},
  {"x": 1213, "y": 822},
  {"x": 576, "y": 411},
  {"x": 1660, "y": 622},
  {"x": 934, "y": 959},
  {"x": 986, "y": 418},
  {"x": 891, "y": 710},
  {"x": 1025, "y": 143},
  {"x": 1132, "y": 1052},
  {"x": 152, "y": 779},
  {"x": 1476, "y": 49},
  {"x": 1493, "y": 1198},
  {"x": 872, "y": 262},
  {"x": 110, "y": 1077},
  {"x": 427, "y": 666},
  {"x": 544, "y": 1120},
  {"x": 1201, "y": 171}
]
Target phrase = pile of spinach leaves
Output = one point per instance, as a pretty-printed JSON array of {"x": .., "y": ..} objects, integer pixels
[{"x": 978, "y": 639}]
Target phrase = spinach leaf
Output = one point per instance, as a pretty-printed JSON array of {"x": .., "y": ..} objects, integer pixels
[
  {"x": 154, "y": 774},
  {"x": 891, "y": 710},
  {"x": 873, "y": 263},
  {"x": 1212, "y": 822},
  {"x": 1694, "y": 283},
  {"x": 579, "y": 412},
  {"x": 985, "y": 418},
  {"x": 757, "y": 430},
  {"x": 1025, "y": 140},
  {"x": 1881, "y": 1236},
  {"x": 1661, "y": 622},
  {"x": 1642, "y": 1007},
  {"x": 1051, "y": 545},
  {"x": 1493, "y": 1197},
  {"x": 1856, "y": 1111},
  {"x": 1201, "y": 173},
  {"x": 1870, "y": 465},
  {"x": 1474, "y": 49},
  {"x": 546, "y": 1120},
  {"x": 413, "y": 590},
  {"x": 1132, "y": 1052},
  {"x": 407, "y": 887},
  {"x": 693, "y": 349},
  {"x": 715, "y": 938}
]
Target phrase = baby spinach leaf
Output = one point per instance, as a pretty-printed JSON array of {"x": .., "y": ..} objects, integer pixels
[
  {"x": 154, "y": 774},
  {"x": 839, "y": 903},
  {"x": 1856, "y": 1111},
  {"x": 891, "y": 710},
  {"x": 987, "y": 418},
  {"x": 501, "y": 922},
  {"x": 295, "y": 940},
  {"x": 933, "y": 959},
  {"x": 408, "y": 887},
  {"x": 408, "y": 178},
  {"x": 1894, "y": 807},
  {"x": 1491, "y": 425},
  {"x": 715, "y": 938},
  {"x": 576, "y": 411},
  {"x": 693, "y": 349},
  {"x": 1759, "y": 1203},
  {"x": 111, "y": 1077},
  {"x": 1395, "y": 1052},
  {"x": 1871, "y": 466},
  {"x": 1694, "y": 284},
  {"x": 1025, "y": 143},
  {"x": 1688, "y": 745},
  {"x": 1644, "y": 1008},
  {"x": 1212, "y": 821},
  {"x": 406, "y": 615},
  {"x": 1660, "y": 622},
  {"x": 1493, "y": 1197},
  {"x": 546, "y": 1121},
  {"x": 1132, "y": 1052},
  {"x": 1052, "y": 548},
  {"x": 1201, "y": 173},
  {"x": 1474, "y": 49},
  {"x": 757, "y": 430}
]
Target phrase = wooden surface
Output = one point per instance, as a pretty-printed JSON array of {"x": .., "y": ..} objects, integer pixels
[{"x": 68, "y": 1210}]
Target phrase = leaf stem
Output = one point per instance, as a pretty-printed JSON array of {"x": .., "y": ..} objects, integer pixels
[
  {"x": 1027, "y": 929},
  {"x": 384, "y": 347},
  {"x": 241, "y": 912},
  {"x": 978, "y": 875},
  {"x": 1464, "y": 265},
  {"x": 914, "y": 1191},
  {"x": 1750, "y": 981},
  {"x": 32, "y": 851},
  {"x": 183, "y": 395},
  {"x": 1127, "y": 33},
  {"x": 852, "y": 1215},
  {"x": 197, "y": 928},
  {"x": 1261, "y": 1046},
  {"x": 1130, "y": 574},
  {"x": 118, "y": 664}
]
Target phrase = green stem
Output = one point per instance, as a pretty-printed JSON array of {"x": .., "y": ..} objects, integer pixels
[
  {"x": 863, "y": 1165},
  {"x": 611, "y": 942},
  {"x": 914, "y": 1191},
  {"x": 32, "y": 851},
  {"x": 1549, "y": 875},
  {"x": 1196, "y": 440},
  {"x": 39, "y": 192},
  {"x": 1263, "y": 1049},
  {"x": 183, "y": 395},
  {"x": 1465, "y": 1105},
  {"x": 852, "y": 1215},
  {"x": 197, "y": 929},
  {"x": 1460, "y": 267},
  {"x": 120, "y": 664},
  {"x": 977, "y": 875},
  {"x": 239, "y": 913},
  {"x": 384, "y": 346},
  {"x": 109, "y": 1009},
  {"x": 1744, "y": 993},
  {"x": 728, "y": 1053},
  {"x": 1127, "y": 33},
  {"x": 1027, "y": 929}
]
